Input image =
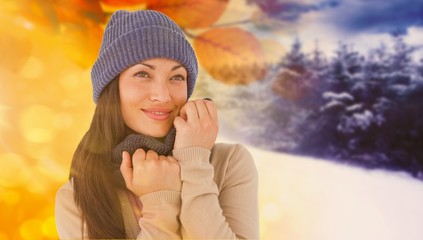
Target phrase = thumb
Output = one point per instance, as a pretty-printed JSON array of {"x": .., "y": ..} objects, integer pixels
[
  {"x": 183, "y": 112},
  {"x": 126, "y": 168},
  {"x": 179, "y": 122}
]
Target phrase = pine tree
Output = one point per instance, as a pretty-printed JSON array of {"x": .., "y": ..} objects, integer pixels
[
  {"x": 296, "y": 78},
  {"x": 318, "y": 62},
  {"x": 295, "y": 60},
  {"x": 346, "y": 68}
]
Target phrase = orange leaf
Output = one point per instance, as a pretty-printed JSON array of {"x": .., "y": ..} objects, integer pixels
[
  {"x": 231, "y": 55},
  {"x": 123, "y": 3},
  {"x": 52, "y": 14},
  {"x": 77, "y": 11},
  {"x": 190, "y": 13}
]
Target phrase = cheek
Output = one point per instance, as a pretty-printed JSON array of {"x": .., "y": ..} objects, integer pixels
[
  {"x": 180, "y": 97},
  {"x": 130, "y": 94},
  {"x": 129, "y": 100}
]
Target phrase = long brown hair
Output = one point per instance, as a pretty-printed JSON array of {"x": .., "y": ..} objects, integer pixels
[{"x": 95, "y": 191}]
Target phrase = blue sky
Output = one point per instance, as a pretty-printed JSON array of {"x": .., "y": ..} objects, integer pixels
[
  {"x": 377, "y": 16},
  {"x": 363, "y": 23}
]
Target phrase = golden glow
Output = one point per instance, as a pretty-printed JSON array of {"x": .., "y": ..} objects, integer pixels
[
  {"x": 3, "y": 236},
  {"x": 3, "y": 112},
  {"x": 31, "y": 229},
  {"x": 33, "y": 68},
  {"x": 10, "y": 197},
  {"x": 46, "y": 107},
  {"x": 13, "y": 172},
  {"x": 36, "y": 123},
  {"x": 48, "y": 227}
]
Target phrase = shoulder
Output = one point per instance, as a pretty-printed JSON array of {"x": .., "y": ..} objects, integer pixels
[
  {"x": 65, "y": 198},
  {"x": 66, "y": 187},
  {"x": 67, "y": 215},
  {"x": 230, "y": 153},
  {"x": 65, "y": 190},
  {"x": 232, "y": 163}
]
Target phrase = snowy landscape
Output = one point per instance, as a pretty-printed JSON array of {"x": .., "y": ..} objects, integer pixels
[
  {"x": 310, "y": 199},
  {"x": 336, "y": 124},
  {"x": 358, "y": 109}
]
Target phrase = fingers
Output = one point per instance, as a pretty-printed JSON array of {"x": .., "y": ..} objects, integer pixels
[
  {"x": 203, "y": 113},
  {"x": 191, "y": 112},
  {"x": 148, "y": 172},
  {"x": 211, "y": 108},
  {"x": 126, "y": 168},
  {"x": 151, "y": 155},
  {"x": 172, "y": 159},
  {"x": 207, "y": 112},
  {"x": 199, "y": 109},
  {"x": 139, "y": 155}
]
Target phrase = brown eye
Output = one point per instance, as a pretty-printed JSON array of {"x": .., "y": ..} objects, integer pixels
[
  {"x": 142, "y": 74},
  {"x": 178, "y": 77}
]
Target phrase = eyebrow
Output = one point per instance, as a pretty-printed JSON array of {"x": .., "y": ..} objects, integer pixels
[
  {"x": 154, "y": 67},
  {"x": 149, "y": 66},
  {"x": 176, "y": 67}
]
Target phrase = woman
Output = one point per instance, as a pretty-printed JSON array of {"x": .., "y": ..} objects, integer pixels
[{"x": 148, "y": 166}]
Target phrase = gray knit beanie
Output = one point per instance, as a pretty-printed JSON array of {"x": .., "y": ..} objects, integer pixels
[{"x": 131, "y": 37}]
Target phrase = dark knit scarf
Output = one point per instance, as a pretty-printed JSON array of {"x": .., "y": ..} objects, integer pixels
[{"x": 135, "y": 141}]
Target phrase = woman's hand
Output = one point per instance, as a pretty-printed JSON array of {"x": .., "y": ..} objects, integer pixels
[
  {"x": 197, "y": 125},
  {"x": 149, "y": 172}
]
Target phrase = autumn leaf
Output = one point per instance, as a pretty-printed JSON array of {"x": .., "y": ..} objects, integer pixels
[
  {"x": 52, "y": 14},
  {"x": 231, "y": 55},
  {"x": 110, "y": 6},
  {"x": 190, "y": 13},
  {"x": 77, "y": 11},
  {"x": 123, "y": 3},
  {"x": 76, "y": 24}
]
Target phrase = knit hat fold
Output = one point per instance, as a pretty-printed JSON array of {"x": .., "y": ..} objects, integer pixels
[{"x": 132, "y": 37}]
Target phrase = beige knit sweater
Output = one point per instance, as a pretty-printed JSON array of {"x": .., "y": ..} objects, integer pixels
[{"x": 218, "y": 200}]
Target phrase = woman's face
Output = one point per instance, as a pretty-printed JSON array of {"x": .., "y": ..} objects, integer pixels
[{"x": 152, "y": 93}]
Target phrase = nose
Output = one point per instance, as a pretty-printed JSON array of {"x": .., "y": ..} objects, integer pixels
[{"x": 160, "y": 92}]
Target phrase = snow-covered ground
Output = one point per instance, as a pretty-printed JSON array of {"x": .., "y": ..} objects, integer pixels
[{"x": 303, "y": 198}]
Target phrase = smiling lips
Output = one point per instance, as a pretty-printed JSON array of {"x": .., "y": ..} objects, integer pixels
[{"x": 159, "y": 114}]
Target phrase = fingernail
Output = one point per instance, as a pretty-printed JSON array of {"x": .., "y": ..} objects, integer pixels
[{"x": 208, "y": 99}]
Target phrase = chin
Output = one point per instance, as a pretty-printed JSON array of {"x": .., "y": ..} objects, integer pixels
[{"x": 156, "y": 133}]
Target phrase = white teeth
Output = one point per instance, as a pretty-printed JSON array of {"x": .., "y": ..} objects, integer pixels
[{"x": 159, "y": 113}]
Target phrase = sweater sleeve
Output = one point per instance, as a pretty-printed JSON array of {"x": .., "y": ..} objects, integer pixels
[
  {"x": 67, "y": 215},
  {"x": 207, "y": 213},
  {"x": 160, "y": 215},
  {"x": 159, "y": 220}
]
